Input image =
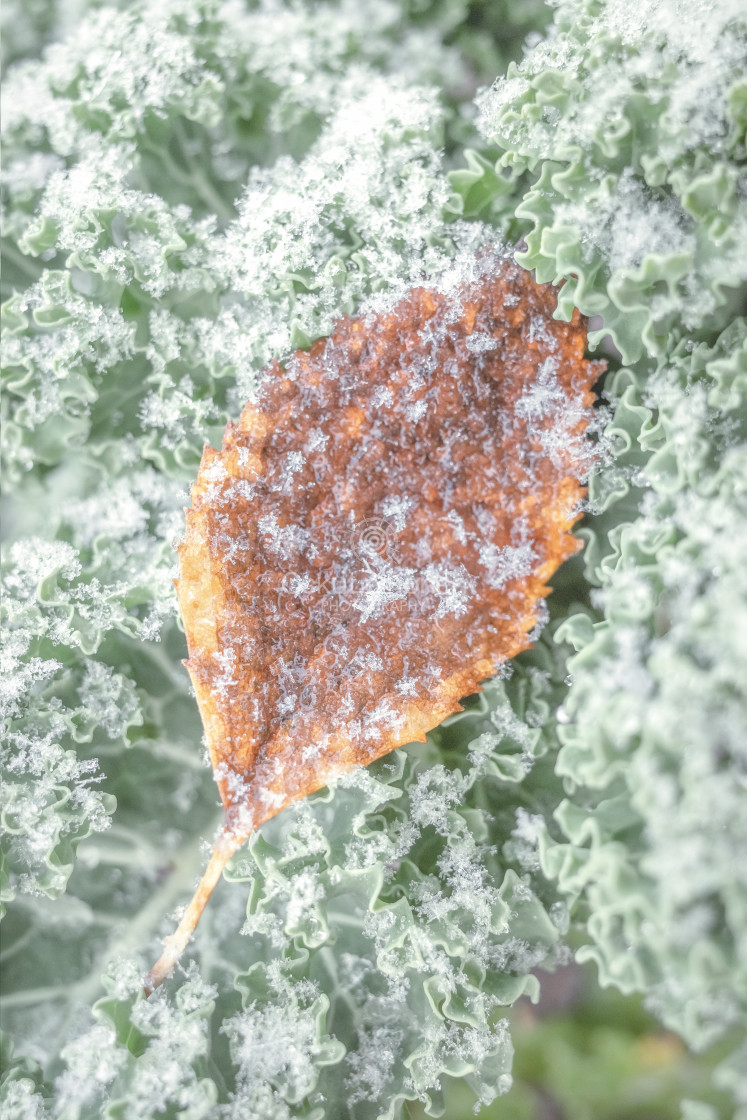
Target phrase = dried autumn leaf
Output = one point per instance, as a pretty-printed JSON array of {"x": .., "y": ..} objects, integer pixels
[{"x": 375, "y": 535}]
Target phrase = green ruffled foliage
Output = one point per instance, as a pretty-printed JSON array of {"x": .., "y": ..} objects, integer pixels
[
  {"x": 363, "y": 953},
  {"x": 655, "y": 825},
  {"x": 596, "y": 1055},
  {"x": 191, "y": 189},
  {"x": 630, "y": 121},
  {"x": 627, "y": 126}
]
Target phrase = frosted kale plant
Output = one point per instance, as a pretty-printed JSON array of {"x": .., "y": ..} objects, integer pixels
[
  {"x": 190, "y": 190},
  {"x": 631, "y": 122}
]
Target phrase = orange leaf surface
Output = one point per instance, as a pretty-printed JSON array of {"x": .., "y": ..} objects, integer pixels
[{"x": 375, "y": 536}]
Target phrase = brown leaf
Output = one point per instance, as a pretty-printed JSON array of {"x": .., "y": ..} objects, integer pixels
[{"x": 375, "y": 535}]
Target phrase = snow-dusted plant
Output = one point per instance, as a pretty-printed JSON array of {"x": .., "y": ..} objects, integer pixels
[{"x": 191, "y": 189}]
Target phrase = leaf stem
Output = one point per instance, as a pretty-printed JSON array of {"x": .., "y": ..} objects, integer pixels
[{"x": 226, "y": 844}]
